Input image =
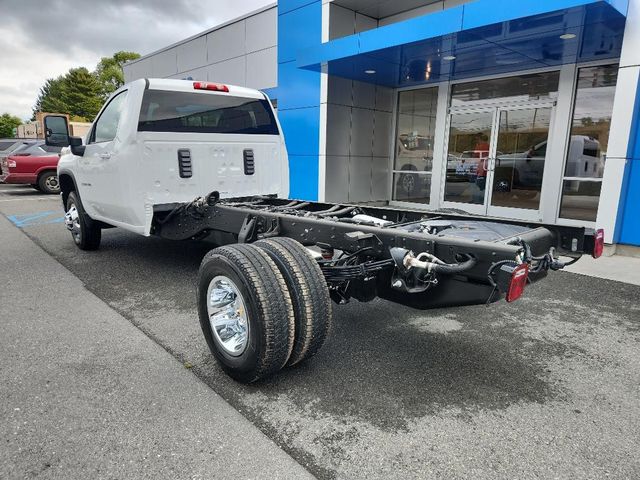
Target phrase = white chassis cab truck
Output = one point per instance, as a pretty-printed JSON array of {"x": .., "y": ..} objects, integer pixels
[{"x": 198, "y": 160}]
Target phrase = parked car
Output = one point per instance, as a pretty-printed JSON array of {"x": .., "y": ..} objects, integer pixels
[
  {"x": 415, "y": 154},
  {"x": 34, "y": 165},
  {"x": 460, "y": 168},
  {"x": 9, "y": 146}
]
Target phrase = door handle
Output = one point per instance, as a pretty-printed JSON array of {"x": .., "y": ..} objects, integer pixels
[{"x": 104, "y": 156}]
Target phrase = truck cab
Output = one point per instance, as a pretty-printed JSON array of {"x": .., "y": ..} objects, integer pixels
[{"x": 159, "y": 141}]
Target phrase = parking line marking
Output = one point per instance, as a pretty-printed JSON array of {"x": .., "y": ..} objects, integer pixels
[
  {"x": 39, "y": 199},
  {"x": 40, "y": 218}
]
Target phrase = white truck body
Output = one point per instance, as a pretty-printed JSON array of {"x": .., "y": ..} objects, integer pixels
[{"x": 131, "y": 163}]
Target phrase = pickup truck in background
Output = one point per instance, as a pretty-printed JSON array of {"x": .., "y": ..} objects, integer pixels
[
  {"x": 197, "y": 160},
  {"x": 36, "y": 165}
]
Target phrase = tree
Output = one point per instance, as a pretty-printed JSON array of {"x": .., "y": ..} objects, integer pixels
[
  {"x": 586, "y": 121},
  {"x": 80, "y": 93},
  {"x": 50, "y": 98},
  {"x": 109, "y": 71},
  {"x": 7, "y": 123}
]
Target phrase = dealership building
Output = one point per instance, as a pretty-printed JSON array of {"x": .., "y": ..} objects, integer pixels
[{"x": 526, "y": 109}]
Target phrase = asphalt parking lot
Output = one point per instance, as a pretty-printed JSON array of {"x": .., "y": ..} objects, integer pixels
[{"x": 547, "y": 387}]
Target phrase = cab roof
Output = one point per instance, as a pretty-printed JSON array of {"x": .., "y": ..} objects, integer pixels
[{"x": 168, "y": 84}]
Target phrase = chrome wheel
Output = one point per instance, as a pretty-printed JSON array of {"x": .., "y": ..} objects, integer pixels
[
  {"x": 72, "y": 222},
  {"x": 227, "y": 315},
  {"x": 52, "y": 184}
]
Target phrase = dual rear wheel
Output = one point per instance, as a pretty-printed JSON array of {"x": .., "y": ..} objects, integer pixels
[{"x": 262, "y": 307}]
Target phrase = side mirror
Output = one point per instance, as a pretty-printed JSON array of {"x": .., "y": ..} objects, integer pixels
[
  {"x": 77, "y": 148},
  {"x": 56, "y": 131}
]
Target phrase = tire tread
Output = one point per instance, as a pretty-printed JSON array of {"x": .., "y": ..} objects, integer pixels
[{"x": 309, "y": 293}]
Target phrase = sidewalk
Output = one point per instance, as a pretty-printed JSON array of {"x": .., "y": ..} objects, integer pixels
[
  {"x": 616, "y": 267},
  {"x": 85, "y": 394}
]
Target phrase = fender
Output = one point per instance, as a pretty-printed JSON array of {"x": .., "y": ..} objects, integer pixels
[{"x": 67, "y": 185}]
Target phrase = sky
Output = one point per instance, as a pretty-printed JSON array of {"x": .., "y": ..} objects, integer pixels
[{"x": 43, "y": 39}]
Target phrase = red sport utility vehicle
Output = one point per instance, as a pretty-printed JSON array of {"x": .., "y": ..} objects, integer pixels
[{"x": 34, "y": 165}]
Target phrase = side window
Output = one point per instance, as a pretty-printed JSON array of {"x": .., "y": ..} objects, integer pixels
[{"x": 106, "y": 126}]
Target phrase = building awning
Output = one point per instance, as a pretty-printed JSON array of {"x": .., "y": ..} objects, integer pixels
[{"x": 485, "y": 37}]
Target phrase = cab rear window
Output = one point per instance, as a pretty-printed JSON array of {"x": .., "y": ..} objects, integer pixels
[{"x": 165, "y": 111}]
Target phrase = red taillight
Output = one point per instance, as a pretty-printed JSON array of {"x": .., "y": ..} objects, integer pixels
[
  {"x": 518, "y": 282},
  {"x": 598, "y": 243},
  {"x": 214, "y": 87}
]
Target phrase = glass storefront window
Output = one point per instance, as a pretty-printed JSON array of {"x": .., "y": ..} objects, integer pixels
[
  {"x": 537, "y": 86},
  {"x": 588, "y": 142},
  {"x": 467, "y": 156},
  {"x": 413, "y": 160}
]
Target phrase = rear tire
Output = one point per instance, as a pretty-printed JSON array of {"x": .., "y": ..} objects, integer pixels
[
  {"x": 309, "y": 294},
  {"x": 245, "y": 312},
  {"x": 85, "y": 232},
  {"x": 48, "y": 183}
]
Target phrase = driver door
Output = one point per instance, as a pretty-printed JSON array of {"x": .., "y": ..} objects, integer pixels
[{"x": 101, "y": 185}]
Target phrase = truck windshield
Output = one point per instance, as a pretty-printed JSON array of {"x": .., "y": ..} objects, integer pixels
[{"x": 167, "y": 111}]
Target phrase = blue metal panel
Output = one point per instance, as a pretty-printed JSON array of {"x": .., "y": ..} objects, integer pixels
[
  {"x": 285, "y": 6},
  {"x": 628, "y": 220},
  {"x": 479, "y": 14},
  {"x": 500, "y": 41},
  {"x": 297, "y": 29},
  {"x": 272, "y": 93},
  {"x": 340, "y": 48},
  {"x": 301, "y": 128},
  {"x": 303, "y": 175},
  {"x": 427, "y": 26},
  {"x": 298, "y": 92},
  {"x": 621, "y": 5},
  {"x": 298, "y": 87}
]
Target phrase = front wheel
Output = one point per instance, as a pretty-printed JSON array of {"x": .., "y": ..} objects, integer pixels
[{"x": 85, "y": 232}]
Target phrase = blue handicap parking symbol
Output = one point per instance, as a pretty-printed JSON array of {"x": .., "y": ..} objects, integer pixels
[{"x": 40, "y": 218}]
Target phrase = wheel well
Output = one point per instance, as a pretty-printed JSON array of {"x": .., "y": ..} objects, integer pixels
[
  {"x": 66, "y": 186},
  {"x": 46, "y": 170}
]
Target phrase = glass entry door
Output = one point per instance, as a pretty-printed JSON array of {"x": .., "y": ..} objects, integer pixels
[
  {"x": 496, "y": 160},
  {"x": 469, "y": 150}
]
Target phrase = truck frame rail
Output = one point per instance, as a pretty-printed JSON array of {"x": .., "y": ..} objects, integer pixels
[{"x": 367, "y": 252}]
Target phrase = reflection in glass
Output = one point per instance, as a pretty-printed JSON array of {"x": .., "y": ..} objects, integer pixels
[
  {"x": 467, "y": 156},
  {"x": 520, "y": 158},
  {"x": 413, "y": 160},
  {"x": 589, "y": 141},
  {"x": 411, "y": 187},
  {"x": 536, "y": 86},
  {"x": 580, "y": 199}
]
